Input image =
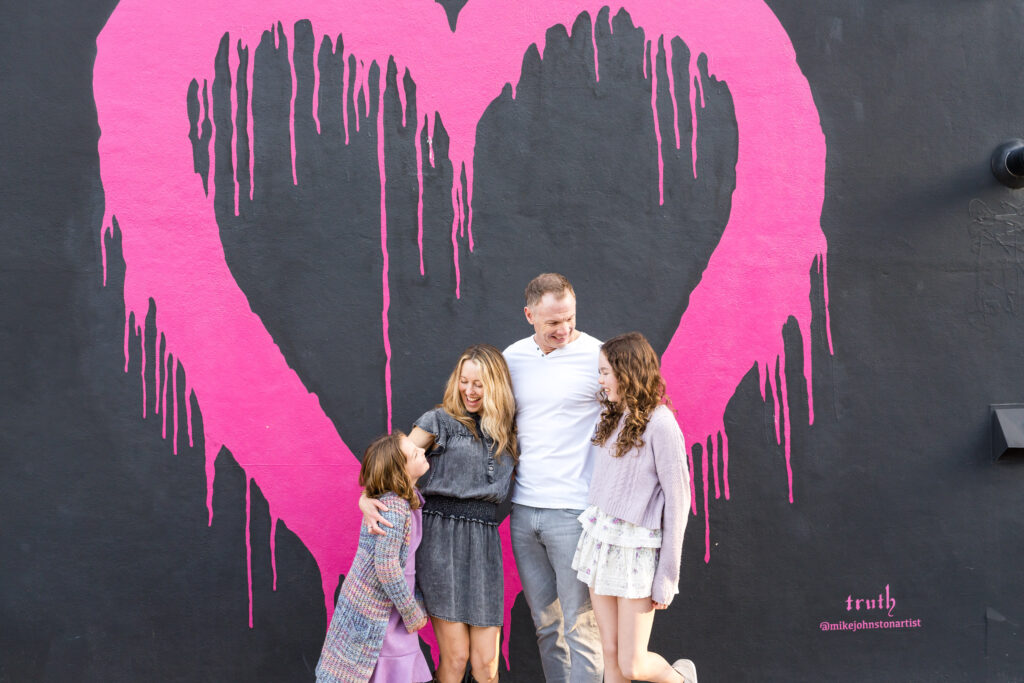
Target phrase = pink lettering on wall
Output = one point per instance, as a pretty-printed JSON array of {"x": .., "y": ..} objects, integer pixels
[
  {"x": 885, "y": 602},
  {"x": 256, "y": 405}
]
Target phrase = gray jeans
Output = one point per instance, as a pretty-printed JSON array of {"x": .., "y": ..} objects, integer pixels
[{"x": 544, "y": 542}]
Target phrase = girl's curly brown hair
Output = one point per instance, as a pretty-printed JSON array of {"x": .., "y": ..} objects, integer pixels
[{"x": 641, "y": 390}]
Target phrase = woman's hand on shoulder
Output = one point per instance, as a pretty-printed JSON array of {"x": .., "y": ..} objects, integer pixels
[
  {"x": 373, "y": 520},
  {"x": 398, "y": 511}
]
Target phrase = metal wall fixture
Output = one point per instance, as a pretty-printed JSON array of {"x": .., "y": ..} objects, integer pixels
[
  {"x": 1008, "y": 163},
  {"x": 1007, "y": 430}
]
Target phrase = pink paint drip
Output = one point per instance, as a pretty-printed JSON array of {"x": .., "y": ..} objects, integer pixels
[
  {"x": 127, "y": 319},
  {"x": 468, "y": 209},
  {"x": 386, "y": 290},
  {"x": 248, "y": 541},
  {"x": 672, "y": 94},
  {"x": 157, "y": 379},
  {"x": 787, "y": 432},
  {"x": 724, "y": 447},
  {"x": 346, "y": 85},
  {"x": 212, "y": 449},
  {"x": 823, "y": 269},
  {"x": 142, "y": 368},
  {"x": 233, "y": 63},
  {"x": 103, "y": 250},
  {"x": 188, "y": 414},
  {"x": 163, "y": 397},
  {"x": 777, "y": 403},
  {"x": 430, "y": 142},
  {"x": 419, "y": 195},
  {"x": 174, "y": 392},
  {"x": 316, "y": 90},
  {"x": 360, "y": 74},
  {"x": 693, "y": 489},
  {"x": 714, "y": 469},
  {"x": 273, "y": 548},
  {"x": 707, "y": 504},
  {"x": 400, "y": 87},
  {"x": 649, "y": 62},
  {"x": 291, "y": 102},
  {"x": 456, "y": 222},
  {"x": 696, "y": 91},
  {"x": 252, "y": 401}
]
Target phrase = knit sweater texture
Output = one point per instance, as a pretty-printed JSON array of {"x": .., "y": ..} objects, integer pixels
[
  {"x": 649, "y": 486},
  {"x": 375, "y": 582}
]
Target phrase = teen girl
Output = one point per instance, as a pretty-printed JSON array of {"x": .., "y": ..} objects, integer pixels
[
  {"x": 372, "y": 636},
  {"x": 630, "y": 550}
]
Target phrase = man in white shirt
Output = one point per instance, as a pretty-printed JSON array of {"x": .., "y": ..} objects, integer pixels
[{"x": 554, "y": 377}]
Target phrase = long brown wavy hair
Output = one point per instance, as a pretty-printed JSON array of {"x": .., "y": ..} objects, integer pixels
[
  {"x": 384, "y": 469},
  {"x": 641, "y": 390},
  {"x": 498, "y": 412}
]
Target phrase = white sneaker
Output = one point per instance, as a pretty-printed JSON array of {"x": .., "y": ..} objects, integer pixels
[{"x": 687, "y": 669}]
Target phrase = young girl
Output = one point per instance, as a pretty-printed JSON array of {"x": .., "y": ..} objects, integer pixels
[
  {"x": 372, "y": 636},
  {"x": 630, "y": 549}
]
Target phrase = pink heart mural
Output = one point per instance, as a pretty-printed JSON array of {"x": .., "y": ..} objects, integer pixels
[{"x": 255, "y": 404}]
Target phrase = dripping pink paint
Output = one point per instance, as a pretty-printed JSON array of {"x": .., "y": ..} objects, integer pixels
[{"x": 253, "y": 403}]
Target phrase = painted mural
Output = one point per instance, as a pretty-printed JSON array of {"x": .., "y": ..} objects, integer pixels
[
  {"x": 264, "y": 116},
  {"x": 239, "y": 240}
]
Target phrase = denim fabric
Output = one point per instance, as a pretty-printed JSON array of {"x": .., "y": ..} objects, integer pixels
[
  {"x": 459, "y": 563},
  {"x": 462, "y": 465},
  {"x": 459, "y": 570},
  {"x": 544, "y": 542}
]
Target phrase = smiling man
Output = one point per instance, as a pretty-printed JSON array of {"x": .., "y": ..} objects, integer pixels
[{"x": 554, "y": 377}]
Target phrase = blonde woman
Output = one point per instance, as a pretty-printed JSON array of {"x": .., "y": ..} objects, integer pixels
[{"x": 471, "y": 446}]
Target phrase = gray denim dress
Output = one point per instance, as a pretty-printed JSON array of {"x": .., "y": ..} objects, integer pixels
[{"x": 458, "y": 564}]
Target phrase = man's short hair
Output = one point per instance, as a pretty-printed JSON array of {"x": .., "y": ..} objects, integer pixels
[{"x": 547, "y": 283}]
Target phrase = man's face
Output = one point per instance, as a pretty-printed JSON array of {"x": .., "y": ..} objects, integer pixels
[{"x": 553, "y": 320}]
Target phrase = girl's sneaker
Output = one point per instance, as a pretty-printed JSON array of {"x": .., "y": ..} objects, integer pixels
[{"x": 687, "y": 669}]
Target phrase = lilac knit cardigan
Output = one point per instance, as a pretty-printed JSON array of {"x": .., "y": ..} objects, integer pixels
[
  {"x": 375, "y": 582},
  {"x": 648, "y": 486}
]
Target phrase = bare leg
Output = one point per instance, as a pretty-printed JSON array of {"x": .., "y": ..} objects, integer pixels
[
  {"x": 453, "y": 641},
  {"x": 635, "y": 620},
  {"x": 483, "y": 652},
  {"x": 606, "y": 611}
]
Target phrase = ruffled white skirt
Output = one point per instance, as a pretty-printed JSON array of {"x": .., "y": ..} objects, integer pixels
[{"x": 615, "y": 557}]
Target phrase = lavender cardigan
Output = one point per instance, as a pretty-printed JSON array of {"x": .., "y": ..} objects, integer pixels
[{"x": 648, "y": 486}]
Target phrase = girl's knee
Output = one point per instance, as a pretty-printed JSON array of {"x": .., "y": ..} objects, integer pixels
[
  {"x": 610, "y": 650},
  {"x": 629, "y": 665}
]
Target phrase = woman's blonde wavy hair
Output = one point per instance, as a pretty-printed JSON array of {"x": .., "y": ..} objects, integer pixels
[
  {"x": 498, "y": 412},
  {"x": 384, "y": 469},
  {"x": 641, "y": 390}
]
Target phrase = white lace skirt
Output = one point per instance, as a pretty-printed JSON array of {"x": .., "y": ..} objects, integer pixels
[{"x": 615, "y": 557}]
